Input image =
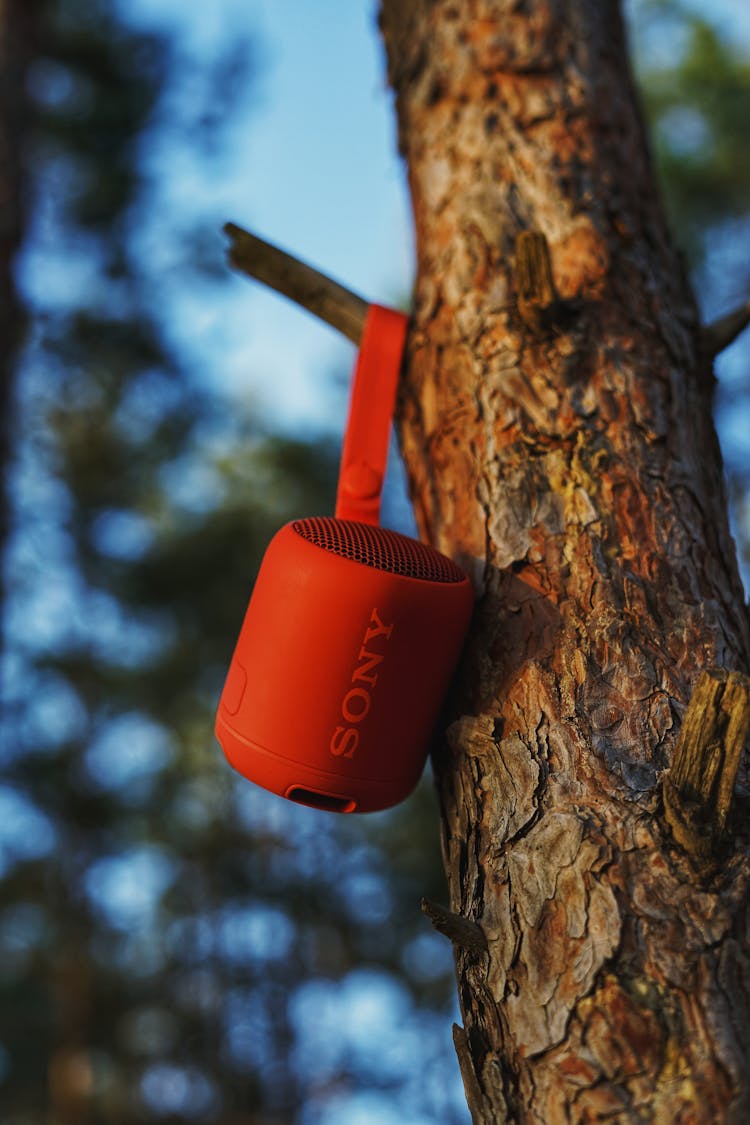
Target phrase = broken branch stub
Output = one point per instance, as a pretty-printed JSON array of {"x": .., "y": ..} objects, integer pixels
[
  {"x": 460, "y": 931},
  {"x": 718, "y": 335},
  {"x": 698, "y": 788},
  {"x": 535, "y": 286},
  {"x": 307, "y": 287}
]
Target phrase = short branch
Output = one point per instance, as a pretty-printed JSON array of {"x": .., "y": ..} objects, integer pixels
[
  {"x": 717, "y": 336},
  {"x": 533, "y": 274},
  {"x": 309, "y": 288},
  {"x": 699, "y": 787},
  {"x": 459, "y": 930},
  {"x": 472, "y": 1089}
]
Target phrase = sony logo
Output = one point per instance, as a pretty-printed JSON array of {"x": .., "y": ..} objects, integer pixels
[{"x": 355, "y": 706}]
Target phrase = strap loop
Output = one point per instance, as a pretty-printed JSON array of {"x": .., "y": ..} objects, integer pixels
[{"x": 373, "y": 397}]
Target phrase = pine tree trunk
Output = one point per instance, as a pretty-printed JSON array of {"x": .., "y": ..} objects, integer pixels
[
  {"x": 14, "y": 55},
  {"x": 558, "y": 437}
]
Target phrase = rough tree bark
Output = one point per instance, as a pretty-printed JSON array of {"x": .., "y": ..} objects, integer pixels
[{"x": 557, "y": 432}]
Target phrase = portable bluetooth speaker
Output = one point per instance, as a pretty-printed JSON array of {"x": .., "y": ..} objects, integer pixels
[{"x": 352, "y": 632}]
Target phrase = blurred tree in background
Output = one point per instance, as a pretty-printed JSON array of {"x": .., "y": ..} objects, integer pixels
[
  {"x": 14, "y": 54},
  {"x": 694, "y": 77},
  {"x": 174, "y": 944}
]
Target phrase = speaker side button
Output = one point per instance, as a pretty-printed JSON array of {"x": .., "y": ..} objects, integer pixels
[{"x": 234, "y": 688}]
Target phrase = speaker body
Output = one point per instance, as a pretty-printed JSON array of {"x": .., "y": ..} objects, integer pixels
[{"x": 347, "y": 648}]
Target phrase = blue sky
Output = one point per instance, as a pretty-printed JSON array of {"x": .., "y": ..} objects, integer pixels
[
  {"x": 312, "y": 166},
  {"x": 309, "y": 162}
]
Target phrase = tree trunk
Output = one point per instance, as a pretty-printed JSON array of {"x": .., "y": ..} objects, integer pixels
[
  {"x": 558, "y": 437},
  {"x": 14, "y": 56}
]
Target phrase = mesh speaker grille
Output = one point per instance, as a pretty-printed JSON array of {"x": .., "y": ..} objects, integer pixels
[{"x": 380, "y": 548}]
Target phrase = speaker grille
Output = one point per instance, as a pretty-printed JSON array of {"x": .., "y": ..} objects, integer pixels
[{"x": 380, "y": 548}]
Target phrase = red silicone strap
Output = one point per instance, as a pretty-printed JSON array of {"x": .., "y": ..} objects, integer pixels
[{"x": 371, "y": 406}]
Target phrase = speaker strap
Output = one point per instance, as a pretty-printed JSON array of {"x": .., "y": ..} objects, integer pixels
[{"x": 373, "y": 397}]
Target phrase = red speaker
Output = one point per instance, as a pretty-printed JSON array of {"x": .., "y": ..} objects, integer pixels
[{"x": 352, "y": 633}]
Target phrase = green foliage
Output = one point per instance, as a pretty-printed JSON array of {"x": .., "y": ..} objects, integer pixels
[
  {"x": 695, "y": 83},
  {"x": 696, "y": 88},
  {"x": 170, "y": 938}
]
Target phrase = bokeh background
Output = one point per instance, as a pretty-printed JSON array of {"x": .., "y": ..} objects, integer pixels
[{"x": 176, "y": 945}]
